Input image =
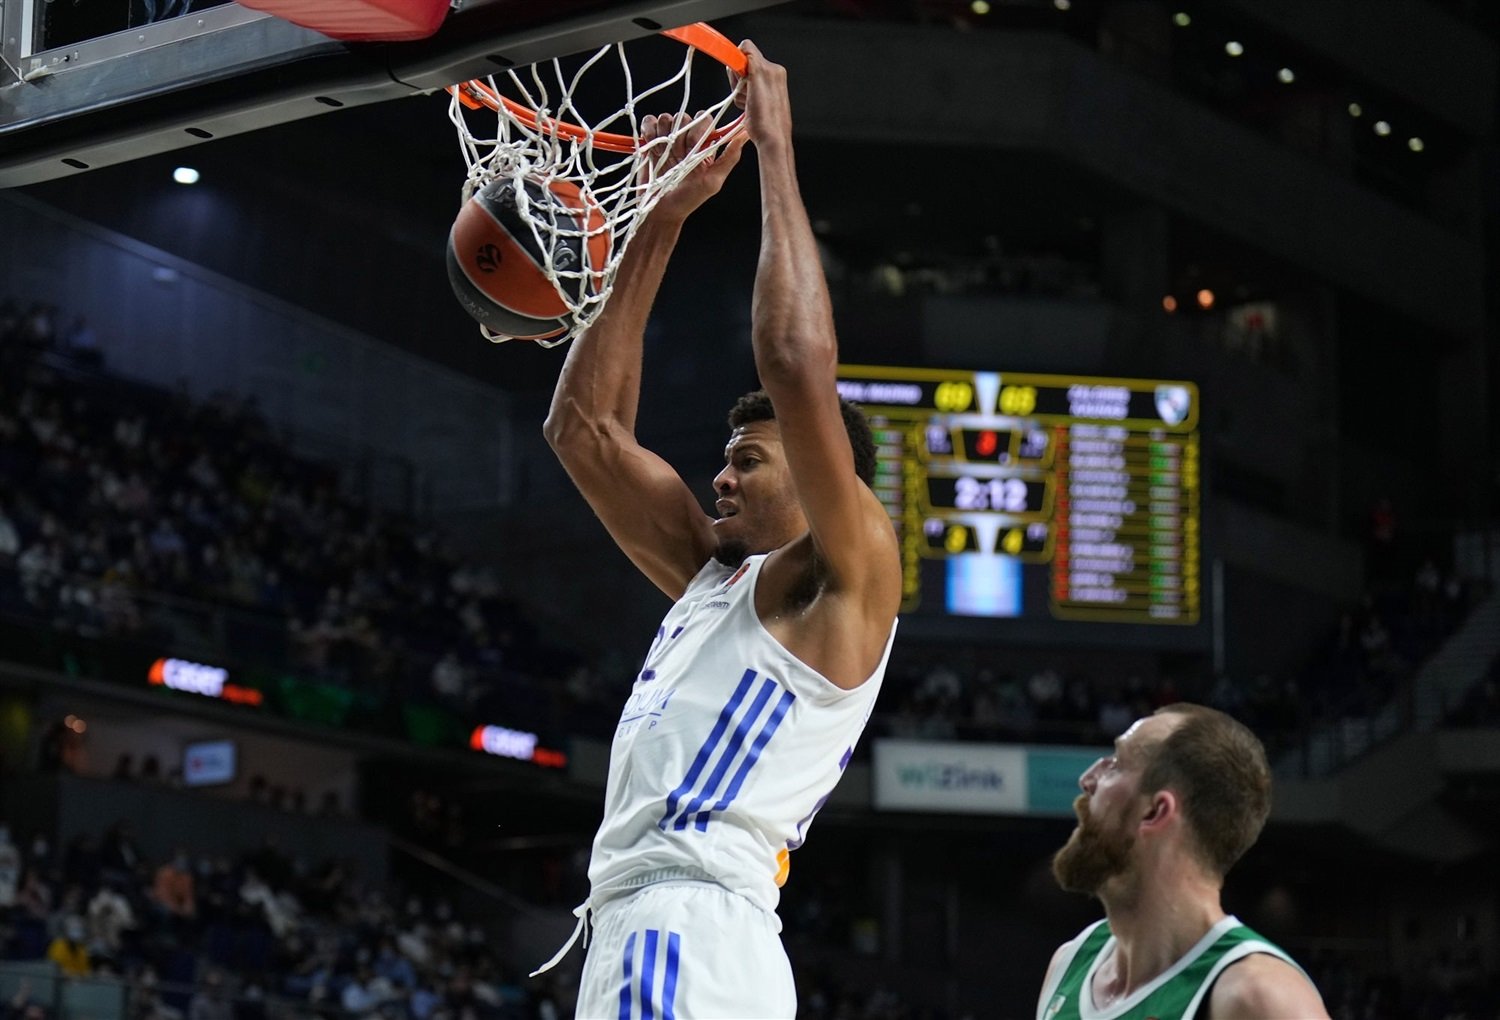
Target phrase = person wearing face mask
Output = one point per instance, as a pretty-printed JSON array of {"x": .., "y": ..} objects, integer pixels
[{"x": 69, "y": 951}]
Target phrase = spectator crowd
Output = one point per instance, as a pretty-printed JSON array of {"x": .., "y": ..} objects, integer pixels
[
  {"x": 121, "y": 504},
  {"x": 198, "y": 937}
]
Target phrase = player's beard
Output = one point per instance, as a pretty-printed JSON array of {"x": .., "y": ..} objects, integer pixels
[
  {"x": 732, "y": 552},
  {"x": 1093, "y": 854}
]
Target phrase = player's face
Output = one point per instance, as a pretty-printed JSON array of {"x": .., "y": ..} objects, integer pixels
[
  {"x": 757, "y": 504},
  {"x": 1100, "y": 848}
]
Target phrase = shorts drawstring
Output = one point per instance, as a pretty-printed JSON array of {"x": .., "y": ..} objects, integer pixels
[{"x": 581, "y": 928}]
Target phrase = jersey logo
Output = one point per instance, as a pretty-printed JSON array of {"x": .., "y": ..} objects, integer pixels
[
  {"x": 737, "y": 575},
  {"x": 724, "y": 749},
  {"x": 1054, "y": 1007}
]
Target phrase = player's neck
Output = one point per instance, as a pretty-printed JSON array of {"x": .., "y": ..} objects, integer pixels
[{"x": 1155, "y": 925}]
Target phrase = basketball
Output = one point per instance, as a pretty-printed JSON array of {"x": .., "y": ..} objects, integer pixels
[{"x": 498, "y": 267}]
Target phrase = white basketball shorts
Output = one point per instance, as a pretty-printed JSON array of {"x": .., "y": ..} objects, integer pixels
[{"x": 685, "y": 950}]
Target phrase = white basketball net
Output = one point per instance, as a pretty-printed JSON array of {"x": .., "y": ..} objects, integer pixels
[{"x": 624, "y": 186}]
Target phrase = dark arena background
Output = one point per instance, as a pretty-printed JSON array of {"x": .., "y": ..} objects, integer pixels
[{"x": 1178, "y": 324}]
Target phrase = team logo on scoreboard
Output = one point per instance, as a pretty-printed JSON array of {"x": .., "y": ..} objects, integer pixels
[{"x": 1173, "y": 403}]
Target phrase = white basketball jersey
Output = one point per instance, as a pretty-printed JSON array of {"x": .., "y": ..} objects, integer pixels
[{"x": 725, "y": 751}]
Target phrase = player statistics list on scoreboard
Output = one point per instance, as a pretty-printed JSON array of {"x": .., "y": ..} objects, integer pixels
[{"x": 998, "y": 475}]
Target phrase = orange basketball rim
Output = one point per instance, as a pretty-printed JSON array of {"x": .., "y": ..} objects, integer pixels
[{"x": 477, "y": 94}]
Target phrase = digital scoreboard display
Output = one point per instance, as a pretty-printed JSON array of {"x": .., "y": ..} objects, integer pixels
[{"x": 1016, "y": 495}]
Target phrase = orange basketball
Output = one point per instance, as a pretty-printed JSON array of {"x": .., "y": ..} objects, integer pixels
[{"x": 496, "y": 265}]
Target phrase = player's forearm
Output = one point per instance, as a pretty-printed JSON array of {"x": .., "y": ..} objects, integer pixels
[
  {"x": 792, "y": 318},
  {"x": 600, "y": 383}
]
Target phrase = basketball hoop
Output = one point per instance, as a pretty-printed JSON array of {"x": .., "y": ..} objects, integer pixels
[{"x": 543, "y": 141}]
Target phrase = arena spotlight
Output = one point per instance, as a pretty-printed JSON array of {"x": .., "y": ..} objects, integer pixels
[
  {"x": 1182, "y": 19},
  {"x": 1285, "y": 76},
  {"x": 1415, "y": 144},
  {"x": 185, "y": 175},
  {"x": 1355, "y": 110},
  {"x": 1382, "y": 128},
  {"x": 1234, "y": 48},
  {"x": 1169, "y": 304},
  {"x": 1205, "y": 299},
  {"x": 980, "y": 6},
  {"x": 1063, "y": 5}
]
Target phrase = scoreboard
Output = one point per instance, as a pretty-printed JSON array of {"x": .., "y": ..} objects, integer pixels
[{"x": 1038, "y": 496}]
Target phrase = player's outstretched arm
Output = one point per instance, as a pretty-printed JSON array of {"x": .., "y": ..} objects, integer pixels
[
  {"x": 1264, "y": 987},
  {"x": 796, "y": 355},
  {"x": 646, "y": 507}
]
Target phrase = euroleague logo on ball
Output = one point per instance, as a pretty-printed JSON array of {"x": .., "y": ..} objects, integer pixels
[{"x": 488, "y": 258}]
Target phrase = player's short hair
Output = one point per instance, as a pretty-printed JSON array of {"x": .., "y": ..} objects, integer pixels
[
  {"x": 1219, "y": 770},
  {"x": 757, "y": 406}
]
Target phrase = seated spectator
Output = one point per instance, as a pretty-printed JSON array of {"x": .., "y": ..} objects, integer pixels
[
  {"x": 34, "y": 897},
  {"x": 23, "y": 1005},
  {"x": 69, "y": 950},
  {"x": 119, "y": 857},
  {"x": 10, "y": 539},
  {"x": 146, "y": 1000},
  {"x": 109, "y": 916},
  {"x": 358, "y": 998},
  {"x": 211, "y": 1000},
  {"x": 173, "y": 888},
  {"x": 10, "y": 869}
]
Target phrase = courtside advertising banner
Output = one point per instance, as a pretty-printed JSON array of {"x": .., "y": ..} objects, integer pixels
[
  {"x": 970, "y": 779},
  {"x": 977, "y": 779}
]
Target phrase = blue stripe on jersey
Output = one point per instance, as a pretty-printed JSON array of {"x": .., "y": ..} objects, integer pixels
[
  {"x": 648, "y": 975},
  {"x": 730, "y": 753},
  {"x": 625, "y": 997},
  {"x": 669, "y": 982},
  {"x": 707, "y": 750},
  {"x": 766, "y": 732}
]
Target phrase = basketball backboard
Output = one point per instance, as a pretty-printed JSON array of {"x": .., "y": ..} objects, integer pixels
[{"x": 93, "y": 84}]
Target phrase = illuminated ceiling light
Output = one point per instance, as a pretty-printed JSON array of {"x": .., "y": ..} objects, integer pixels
[
  {"x": 1063, "y": 5},
  {"x": 980, "y": 6},
  {"x": 1205, "y": 299},
  {"x": 1169, "y": 303},
  {"x": 1355, "y": 110},
  {"x": 1182, "y": 19},
  {"x": 1382, "y": 128},
  {"x": 1285, "y": 76},
  {"x": 1234, "y": 48},
  {"x": 185, "y": 175},
  {"x": 1415, "y": 144}
]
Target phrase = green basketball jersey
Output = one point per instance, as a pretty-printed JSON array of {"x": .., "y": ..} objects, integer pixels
[{"x": 1175, "y": 994}]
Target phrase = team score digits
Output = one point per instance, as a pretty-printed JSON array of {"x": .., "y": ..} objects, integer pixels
[
  {"x": 1006, "y": 495},
  {"x": 1017, "y": 400},
  {"x": 949, "y": 538},
  {"x": 1028, "y": 540},
  {"x": 952, "y": 397}
]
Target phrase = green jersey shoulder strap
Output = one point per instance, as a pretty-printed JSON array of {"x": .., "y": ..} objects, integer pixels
[{"x": 1175, "y": 994}]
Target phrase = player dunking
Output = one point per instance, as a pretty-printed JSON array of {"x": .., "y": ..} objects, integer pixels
[
  {"x": 763, "y": 673},
  {"x": 1160, "y": 823}
]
